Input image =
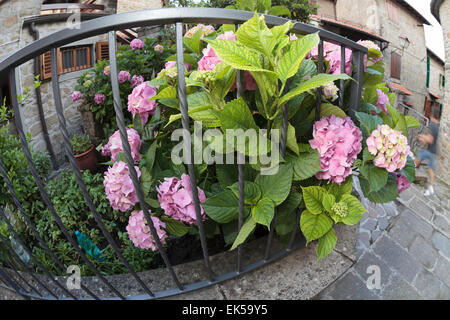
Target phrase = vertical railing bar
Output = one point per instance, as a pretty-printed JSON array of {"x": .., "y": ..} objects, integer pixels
[
  {"x": 20, "y": 277},
  {"x": 241, "y": 177},
  {"x": 77, "y": 172},
  {"x": 294, "y": 232},
  {"x": 11, "y": 251},
  {"x": 355, "y": 98},
  {"x": 284, "y": 127},
  {"x": 341, "y": 82},
  {"x": 187, "y": 141},
  {"x": 319, "y": 90},
  {"x": 30, "y": 253},
  {"x": 13, "y": 283},
  {"x": 45, "y": 196},
  {"x": 30, "y": 224},
  {"x": 127, "y": 150}
]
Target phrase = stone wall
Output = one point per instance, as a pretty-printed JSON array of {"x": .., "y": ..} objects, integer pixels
[
  {"x": 11, "y": 16},
  {"x": 444, "y": 133},
  {"x": 413, "y": 60},
  {"x": 134, "y": 5},
  {"x": 436, "y": 70}
]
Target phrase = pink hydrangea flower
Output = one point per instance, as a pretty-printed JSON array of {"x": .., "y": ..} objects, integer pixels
[
  {"x": 390, "y": 148},
  {"x": 137, "y": 44},
  {"x": 99, "y": 98},
  {"x": 159, "y": 48},
  {"x": 139, "y": 101},
  {"x": 114, "y": 145},
  {"x": 383, "y": 100},
  {"x": 137, "y": 80},
  {"x": 119, "y": 187},
  {"x": 338, "y": 141},
  {"x": 371, "y": 45},
  {"x": 76, "y": 95},
  {"x": 330, "y": 90},
  {"x": 139, "y": 232},
  {"x": 210, "y": 60},
  {"x": 402, "y": 182},
  {"x": 332, "y": 54},
  {"x": 175, "y": 197},
  {"x": 206, "y": 30},
  {"x": 107, "y": 70},
  {"x": 292, "y": 37},
  {"x": 123, "y": 76}
]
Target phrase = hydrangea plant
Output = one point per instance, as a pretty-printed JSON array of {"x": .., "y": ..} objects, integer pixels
[{"x": 315, "y": 173}]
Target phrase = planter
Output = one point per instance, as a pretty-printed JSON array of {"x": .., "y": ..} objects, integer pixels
[{"x": 87, "y": 160}]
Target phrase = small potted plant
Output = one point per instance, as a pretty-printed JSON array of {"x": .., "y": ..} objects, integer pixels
[{"x": 84, "y": 152}]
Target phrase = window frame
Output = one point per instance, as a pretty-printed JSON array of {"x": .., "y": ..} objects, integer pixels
[{"x": 395, "y": 62}]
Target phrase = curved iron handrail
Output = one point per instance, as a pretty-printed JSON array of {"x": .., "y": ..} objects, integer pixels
[{"x": 110, "y": 24}]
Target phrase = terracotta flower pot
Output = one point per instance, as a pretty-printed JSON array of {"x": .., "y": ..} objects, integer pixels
[{"x": 87, "y": 160}]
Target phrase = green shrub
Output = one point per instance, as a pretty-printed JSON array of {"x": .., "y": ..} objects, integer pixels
[
  {"x": 74, "y": 212},
  {"x": 80, "y": 143}
]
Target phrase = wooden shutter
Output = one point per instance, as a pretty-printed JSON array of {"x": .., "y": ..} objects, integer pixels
[
  {"x": 396, "y": 65},
  {"x": 392, "y": 11},
  {"x": 102, "y": 50},
  {"x": 46, "y": 65}
]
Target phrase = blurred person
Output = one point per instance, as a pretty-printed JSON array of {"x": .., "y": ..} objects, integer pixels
[{"x": 429, "y": 154}]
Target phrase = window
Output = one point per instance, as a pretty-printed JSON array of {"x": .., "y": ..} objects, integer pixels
[
  {"x": 392, "y": 11},
  {"x": 69, "y": 60},
  {"x": 396, "y": 65},
  {"x": 102, "y": 49},
  {"x": 441, "y": 81}
]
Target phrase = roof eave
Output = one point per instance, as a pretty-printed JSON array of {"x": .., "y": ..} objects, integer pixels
[{"x": 435, "y": 6}]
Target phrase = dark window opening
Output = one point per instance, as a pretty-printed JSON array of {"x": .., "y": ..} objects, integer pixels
[{"x": 396, "y": 65}]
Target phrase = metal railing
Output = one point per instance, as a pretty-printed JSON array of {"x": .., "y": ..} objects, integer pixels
[
  {"x": 56, "y": 8},
  {"x": 413, "y": 134},
  {"x": 111, "y": 24}
]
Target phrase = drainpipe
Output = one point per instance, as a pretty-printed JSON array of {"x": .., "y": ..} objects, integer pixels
[{"x": 35, "y": 33}]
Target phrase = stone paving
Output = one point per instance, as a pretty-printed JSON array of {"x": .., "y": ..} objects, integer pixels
[{"x": 409, "y": 241}]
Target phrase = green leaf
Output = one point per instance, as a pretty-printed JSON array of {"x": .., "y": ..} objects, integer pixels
[
  {"x": 276, "y": 186},
  {"x": 187, "y": 59},
  {"x": 291, "y": 141},
  {"x": 222, "y": 207},
  {"x": 247, "y": 228},
  {"x": 306, "y": 164},
  {"x": 236, "y": 115},
  {"x": 256, "y": 35},
  {"x": 237, "y": 55},
  {"x": 199, "y": 99},
  {"x": 355, "y": 210},
  {"x": 251, "y": 191},
  {"x": 369, "y": 108},
  {"x": 326, "y": 110},
  {"x": 224, "y": 80},
  {"x": 279, "y": 31},
  {"x": 146, "y": 180},
  {"x": 313, "y": 197},
  {"x": 166, "y": 93},
  {"x": 368, "y": 122},
  {"x": 264, "y": 212},
  {"x": 192, "y": 113},
  {"x": 339, "y": 190},
  {"x": 328, "y": 201},
  {"x": 409, "y": 171},
  {"x": 384, "y": 195},
  {"x": 194, "y": 44},
  {"x": 314, "y": 82},
  {"x": 291, "y": 60},
  {"x": 175, "y": 227},
  {"x": 286, "y": 216},
  {"x": 326, "y": 244},
  {"x": 314, "y": 226},
  {"x": 376, "y": 176},
  {"x": 401, "y": 125},
  {"x": 412, "y": 123},
  {"x": 150, "y": 156},
  {"x": 394, "y": 114},
  {"x": 279, "y": 11}
]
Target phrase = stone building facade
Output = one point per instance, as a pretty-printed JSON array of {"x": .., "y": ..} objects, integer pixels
[
  {"x": 441, "y": 10},
  {"x": 16, "y": 18},
  {"x": 389, "y": 23}
]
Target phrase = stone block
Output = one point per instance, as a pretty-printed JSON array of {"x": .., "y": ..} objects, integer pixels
[
  {"x": 397, "y": 258},
  {"x": 350, "y": 287},
  {"x": 399, "y": 289},
  {"x": 424, "y": 252},
  {"x": 401, "y": 233},
  {"x": 442, "y": 243},
  {"x": 421, "y": 209},
  {"x": 442, "y": 270},
  {"x": 430, "y": 287},
  {"x": 416, "y": 224}
]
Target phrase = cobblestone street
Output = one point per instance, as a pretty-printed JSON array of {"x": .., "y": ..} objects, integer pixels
[{"x": 409, "y": 240}]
